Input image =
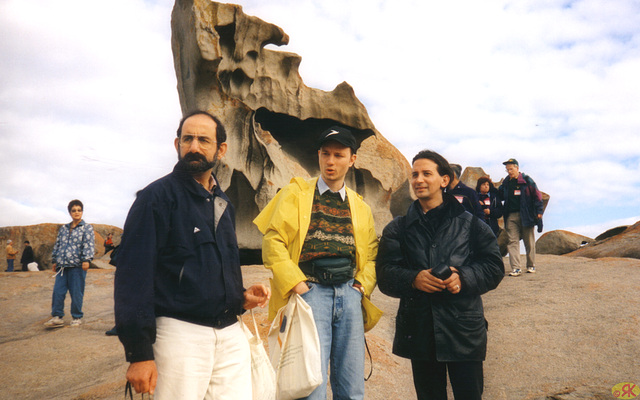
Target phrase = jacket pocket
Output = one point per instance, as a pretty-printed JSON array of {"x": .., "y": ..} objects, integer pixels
[{"x": 195, "y": 278}]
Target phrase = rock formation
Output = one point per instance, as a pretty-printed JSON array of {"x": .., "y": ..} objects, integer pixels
[
  {"x": 625, "y": 244},
  {"x": 42, "y": 238},
  {"x": 272, "y": 118},
  {"x": 612, "y": 232},
  {"x": 560, "y": 242}
]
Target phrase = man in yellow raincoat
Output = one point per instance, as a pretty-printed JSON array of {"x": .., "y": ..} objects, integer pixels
[{"x": 320, "y": 242}]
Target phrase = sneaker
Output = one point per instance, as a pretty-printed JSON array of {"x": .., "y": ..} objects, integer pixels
[
  {"x": 76, "y": 322},
  {"x": 515, "y": 272},
  {"x": 531, "y": 270},
  {"x": 55, "y": 322}
]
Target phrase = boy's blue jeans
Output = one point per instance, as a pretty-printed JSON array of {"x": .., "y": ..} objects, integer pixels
[{"x": 71, "y": 280}]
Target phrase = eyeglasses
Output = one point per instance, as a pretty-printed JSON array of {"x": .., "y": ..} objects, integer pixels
[{"x": 203, "y": 141}]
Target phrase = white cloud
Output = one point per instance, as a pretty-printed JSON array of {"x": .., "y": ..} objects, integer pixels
[{"x": 88, "y": 100}]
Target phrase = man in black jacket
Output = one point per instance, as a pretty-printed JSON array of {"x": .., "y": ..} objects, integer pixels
[
  {"x": 178, "y": 286},
  {"x": 438, "y": 260},
  {"x": 27, "y": 256}
]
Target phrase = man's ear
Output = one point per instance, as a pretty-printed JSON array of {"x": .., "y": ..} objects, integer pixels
[
  {"x": 353, "y": 160},
  {"x": 222, "y": 150},
  {"x": 445, "y": 181},
  {"x": 176, "y": 143}
]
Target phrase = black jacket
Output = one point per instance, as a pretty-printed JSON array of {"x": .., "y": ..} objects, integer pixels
[
  {"x": 178, "y": 258},
  {"x": 495, "y": 209},
  {"x": 27, "y": 255},
  {"x": 439, "y": 326}
]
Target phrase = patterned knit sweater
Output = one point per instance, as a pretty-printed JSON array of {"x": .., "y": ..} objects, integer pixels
[{"x": 330, "y": 231}]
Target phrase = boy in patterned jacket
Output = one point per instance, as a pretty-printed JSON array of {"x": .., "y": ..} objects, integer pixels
[{"x": 72, "y": 254}]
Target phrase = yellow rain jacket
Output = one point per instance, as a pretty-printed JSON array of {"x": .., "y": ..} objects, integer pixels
[{"x": 284, "y": 223}]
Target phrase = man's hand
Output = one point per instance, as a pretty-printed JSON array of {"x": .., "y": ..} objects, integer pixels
[
  {"x": 143, "y": 375},
  {"x": 85, "y": 265},
  {"x": 256, "y": 295},
  {"x": 428, "y": 283},
  {"x": 301, "y": 288},
  {"x": 453, "y": 282},
  {"x": 487, "y": 211}
]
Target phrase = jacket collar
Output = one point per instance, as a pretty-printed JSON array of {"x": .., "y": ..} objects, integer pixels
[
  {"x": 193, "y": 186},
  {"x": 451, "y": 208},
  {"x": 520, "y": 178},
  {"x": 81, "y": 223}
]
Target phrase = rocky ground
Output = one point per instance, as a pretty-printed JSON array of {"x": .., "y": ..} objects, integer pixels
[{"x": 570, "y": 331}]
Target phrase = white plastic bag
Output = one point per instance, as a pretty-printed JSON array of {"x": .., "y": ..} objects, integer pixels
[
  {"x": 263, "y": 376},
  {"x": 294, "y": 349},
  {"x": 32, "y": 266}
]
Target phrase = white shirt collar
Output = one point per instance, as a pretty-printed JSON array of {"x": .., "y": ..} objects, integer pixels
[{"x": 323, "y": 187}]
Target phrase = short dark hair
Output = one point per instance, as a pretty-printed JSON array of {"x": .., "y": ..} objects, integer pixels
[
  {"x": 441, "y": 162},
  {"x": 221, "y": 133},
  {"x": 27, "y": 242},
  {"x": 482, "y": 181},
  {"x": 75, "y": 203},
  {"x": 457, "y": 169}
]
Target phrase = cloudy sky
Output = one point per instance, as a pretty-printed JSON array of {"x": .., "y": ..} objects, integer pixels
[{"x": 88, "y": 101}]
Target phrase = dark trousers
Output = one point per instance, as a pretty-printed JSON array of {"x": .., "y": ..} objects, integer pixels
[{"x": 430, "y": 379}]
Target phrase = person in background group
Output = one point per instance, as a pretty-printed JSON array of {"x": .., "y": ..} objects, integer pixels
[
  {"x": 320, "y": 242},
  {"x": 108, "y": 243},
  {"x": 71, "y": 257},
  {"x": 178, "y": 288},
  {"x": 463, "y": 193},
  {"x": 439, "y": 260},
  {"x": 490, "y": 203},
  {"x": 11, "y": 255},
  {"x": 27, "y": 256},
  {"x": 523, "y": 209}
]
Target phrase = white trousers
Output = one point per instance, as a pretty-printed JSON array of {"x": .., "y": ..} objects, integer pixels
[{"x": 196, "y": 362}]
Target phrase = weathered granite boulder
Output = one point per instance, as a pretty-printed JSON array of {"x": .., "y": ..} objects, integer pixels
[
  {"x": 272, "y": 118},
  {"x": 42, "y": 238},
  {"x": 560, "y": 242},
  {"x": 611, "y": 232},
  {"x": 625, "y": 244}
]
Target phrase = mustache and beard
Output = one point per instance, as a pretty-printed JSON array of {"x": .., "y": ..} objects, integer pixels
[{"x": 195, "y": 162}]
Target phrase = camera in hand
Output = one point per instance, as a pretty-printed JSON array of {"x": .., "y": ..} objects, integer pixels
[{"x": 442, "y": 271}]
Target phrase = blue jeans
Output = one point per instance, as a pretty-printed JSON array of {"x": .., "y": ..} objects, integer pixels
[
  {"x": 10, "y": 265},
  {"x": 71, "y": 280},
  {"x": 337, "y": 313}
]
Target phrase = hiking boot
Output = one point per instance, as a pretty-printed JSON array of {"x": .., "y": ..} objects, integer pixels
[
  {"x": 76, "y": 322},
  {"x": 531, "y": 270},
  {"x": 515, "y": 272},
  {"x": 55, "y": 322}
]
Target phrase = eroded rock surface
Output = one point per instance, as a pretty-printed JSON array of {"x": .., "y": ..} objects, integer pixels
[
  {"x": 625, "y": 244},
  {"x": 272, "y": 118},
  {"x": 560, "y": 242}
]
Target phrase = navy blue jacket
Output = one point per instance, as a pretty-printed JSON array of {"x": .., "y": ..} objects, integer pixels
[
  {"x": 530, "y": 199},
  {"x": 439, "y": 326},
  {"x": 494, "y": 206},
  {"x": 178, "y": 258},
  {"x": 468, "y": 198}
]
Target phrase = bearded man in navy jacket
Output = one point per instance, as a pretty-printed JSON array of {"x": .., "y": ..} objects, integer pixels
[{"x": 178, "y": 287}]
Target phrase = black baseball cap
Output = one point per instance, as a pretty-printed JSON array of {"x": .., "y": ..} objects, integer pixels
[
  {"x": 340, "y": 135},
  {"x": 511, "y": 161}
]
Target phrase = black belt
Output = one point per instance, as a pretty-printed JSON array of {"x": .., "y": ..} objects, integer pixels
[{"x": 328, "y": 271}]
